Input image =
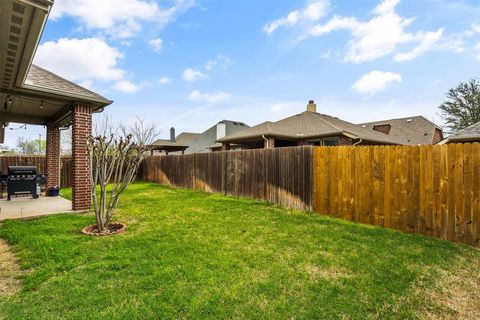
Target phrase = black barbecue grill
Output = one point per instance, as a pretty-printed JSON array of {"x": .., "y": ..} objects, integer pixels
[{"x": 22, "y": 181}]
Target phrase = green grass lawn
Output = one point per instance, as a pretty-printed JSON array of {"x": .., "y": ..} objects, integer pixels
[{"x": 188, "y": 254}]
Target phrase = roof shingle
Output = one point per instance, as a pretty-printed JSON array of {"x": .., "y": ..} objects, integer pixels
[
  {"x": 410, "y": 130},
  {"x": 38, "y": 77},
  {"x": 310, "y": 125}
]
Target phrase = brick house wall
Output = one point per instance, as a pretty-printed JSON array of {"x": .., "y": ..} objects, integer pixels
[
  {"x": 53, "y": 157},
  {"x": 81, "y": 130},
  {"x": 437, "y": 136},
  {"x": 345, "y": 141},
  {"x": 383, "y": 128}
]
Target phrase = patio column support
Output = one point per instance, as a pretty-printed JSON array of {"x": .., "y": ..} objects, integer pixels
[
  {"x": 53, "y": 156},
  {"x": 81, "y": 130}
]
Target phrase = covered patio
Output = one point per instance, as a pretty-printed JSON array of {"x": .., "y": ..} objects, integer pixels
[{"x": 32, "y": 95}]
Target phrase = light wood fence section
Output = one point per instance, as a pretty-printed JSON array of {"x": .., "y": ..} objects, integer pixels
[{"x": 430, "y": 190}]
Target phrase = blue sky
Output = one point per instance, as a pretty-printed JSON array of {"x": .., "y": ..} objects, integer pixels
[{"x": 192, "y": 63}]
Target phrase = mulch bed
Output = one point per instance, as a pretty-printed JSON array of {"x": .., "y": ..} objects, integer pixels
[{"x": 113, "y": 228}]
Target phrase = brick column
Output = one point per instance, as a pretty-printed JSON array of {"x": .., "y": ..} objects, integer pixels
[
  {"x": 81, "y": 130},
  {"x": 53, "y": 156}
]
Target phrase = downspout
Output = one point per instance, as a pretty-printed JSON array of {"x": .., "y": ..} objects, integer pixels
[
  {"x": 358, "y": 142},
  {"x": 265, "y": 139}
]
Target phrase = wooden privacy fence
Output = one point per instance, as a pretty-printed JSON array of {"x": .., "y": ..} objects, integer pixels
[
  {"x": 430, "y": 190},
  {"x": 282, "y": 176},
  {"x": 40, "y": 163}
]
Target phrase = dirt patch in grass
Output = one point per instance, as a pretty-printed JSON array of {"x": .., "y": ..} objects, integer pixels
[
  {"x": 9, "y": 271},
  {"x": 328, "y": 273},
  {"x": 456, "y": 293}
]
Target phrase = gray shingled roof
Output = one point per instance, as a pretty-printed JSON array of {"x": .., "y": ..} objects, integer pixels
[
  {"x": 182, "y": 140},
  {"x": 39, "y": 78},
  {"x": 470, "y": 133},
  {"x": 410, "y": 130},
  {"x": 307, "y": 125},
  {"x": 207, "y": 138}
]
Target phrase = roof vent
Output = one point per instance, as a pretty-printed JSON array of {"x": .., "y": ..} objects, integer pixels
[{"x": 409, "y": 120}]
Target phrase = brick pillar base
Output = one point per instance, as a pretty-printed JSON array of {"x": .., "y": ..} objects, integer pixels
[
  {"x": 53, "y": 156},
  {"x": 81, "y": 130}
]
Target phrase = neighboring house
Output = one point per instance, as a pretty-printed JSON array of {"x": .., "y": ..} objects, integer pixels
[
  {"x": 469, "y": 134},
  {"x": 187, "y": 142},
  {"x": 205, "y": 142},
  {"x": 174, "y": 145},
  {"x": 411, "y": 130},
  {"x": 306, "y": 128}
]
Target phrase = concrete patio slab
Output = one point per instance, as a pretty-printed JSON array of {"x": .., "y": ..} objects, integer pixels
[{"x": 18, "y": 208}]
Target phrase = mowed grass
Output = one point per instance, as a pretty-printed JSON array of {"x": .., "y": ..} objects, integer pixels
[{"x": 192, "y": 255}]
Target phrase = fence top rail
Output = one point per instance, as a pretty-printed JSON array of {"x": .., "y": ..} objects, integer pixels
[{"x": 231, "y": 151}]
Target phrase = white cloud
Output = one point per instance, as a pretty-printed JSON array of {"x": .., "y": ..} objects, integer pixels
[
  {"x": 375, "y": 81},
  {"x": 192, "y": 75},
  {"x": 87, "y": 84},
  {"x": 210, "y": 98},
  {"x": 126, "y": 86},
  {"x": 476, "y": 27},
  {"x": 164, "y": 80},
  {"x": 156, "y": 44},
  {"x": 312, "y": 12},
  {"x": 428, "y": 40},
  {"x": 221, "y": 61},
  {"x": 380, "y": 36},
  {"x": 326, "y": 55},
  {"x": 80, "y": 59},
  {"x": 118, "y": 18}
]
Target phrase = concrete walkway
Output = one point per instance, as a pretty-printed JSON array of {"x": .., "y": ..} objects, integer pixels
[{"x": 28, "y": 207}]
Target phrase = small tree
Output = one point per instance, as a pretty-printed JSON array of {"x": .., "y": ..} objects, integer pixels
[
  {"x": 462, "y": 108},
  {"x": 114, "y": 161},
  {"x": 31, "y": 147}
]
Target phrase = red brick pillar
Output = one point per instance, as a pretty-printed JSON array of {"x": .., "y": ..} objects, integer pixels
[
  {"x": 81, "y": 130},
  {"x": 53, "y": 156}
]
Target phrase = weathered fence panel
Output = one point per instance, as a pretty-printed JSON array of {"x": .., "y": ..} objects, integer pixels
[
  {"x": 431, "y": 190},
  {"x": 282, "y": 176},
  {"x": 40, "y": 163}
]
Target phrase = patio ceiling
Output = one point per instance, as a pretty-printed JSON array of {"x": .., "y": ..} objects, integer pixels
[{"x": 30, "y": 94}]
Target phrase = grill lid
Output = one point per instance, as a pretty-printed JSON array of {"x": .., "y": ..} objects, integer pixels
[{"x": 22, "y": 170}]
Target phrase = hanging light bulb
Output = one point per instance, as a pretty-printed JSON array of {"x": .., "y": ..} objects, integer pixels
[
  {"x": 8, "y": 103},
  {"x": 41, "y": 104}
]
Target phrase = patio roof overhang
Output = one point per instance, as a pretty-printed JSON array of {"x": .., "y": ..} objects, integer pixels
[{"x": 30, "y": 94}]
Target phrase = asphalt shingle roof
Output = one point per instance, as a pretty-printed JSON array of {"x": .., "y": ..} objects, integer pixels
[
  {"x": 310, "y": 125},
  {"x": 469, "y": 133},
  {"x": 410, "y": 130},
  {"x": 41, "y": 78}
]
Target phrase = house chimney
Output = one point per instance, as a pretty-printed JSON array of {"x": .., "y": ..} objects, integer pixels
[
  {"x": 172, "y": 134},
  {"x": 311, "y": 106},
  {"x": 221, "y": 130}
]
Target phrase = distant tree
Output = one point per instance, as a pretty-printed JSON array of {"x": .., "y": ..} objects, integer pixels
[
  {"x": 462, "y": 108},
  {"x": 31, "y": 147}
]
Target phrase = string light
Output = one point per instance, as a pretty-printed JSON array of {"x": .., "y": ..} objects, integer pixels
[{"x": 7, "y": 105}]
